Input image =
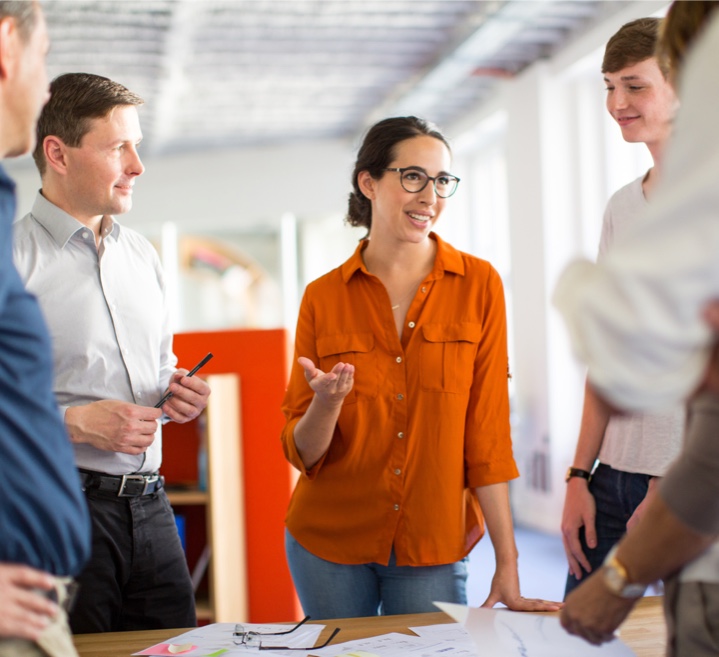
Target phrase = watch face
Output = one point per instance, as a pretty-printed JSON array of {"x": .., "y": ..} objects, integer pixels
[
  {"x": 614, "y": 580},
  {"x": 617, "y": 584}
]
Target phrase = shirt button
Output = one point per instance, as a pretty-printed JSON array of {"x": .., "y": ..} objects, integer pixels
[
  {"x": 399, "y": 359},
  {"x": 424, "y": 289},
  {"x": 396, "y": 507},
  {"x": 398, "y": 471},
  {"x": 400, "y": 435},
  {"x": 400, "y": 396},
  {"x": 139, "y": 394},
  {"x": 85, "y": 235},
  {"x": 411, "y": 324}
]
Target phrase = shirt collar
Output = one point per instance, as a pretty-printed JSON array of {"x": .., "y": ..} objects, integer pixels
[
  {"x": 448, "y": 259},
  {"x": 60, "y": 225}
]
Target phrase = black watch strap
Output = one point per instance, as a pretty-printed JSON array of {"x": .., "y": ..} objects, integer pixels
[{"x": 578, "y": 472}]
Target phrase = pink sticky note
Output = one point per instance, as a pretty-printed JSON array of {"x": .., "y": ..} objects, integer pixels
[{"x": 168, "y": 649}]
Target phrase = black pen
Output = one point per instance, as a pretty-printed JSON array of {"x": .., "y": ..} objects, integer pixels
[{"x": 192, "y": 372}]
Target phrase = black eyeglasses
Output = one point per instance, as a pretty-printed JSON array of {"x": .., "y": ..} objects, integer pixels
[
  {"x": 414, "y": 180},
  {"x": 253, "y": 639}
]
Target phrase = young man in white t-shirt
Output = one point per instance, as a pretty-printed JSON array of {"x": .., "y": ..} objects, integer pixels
[{"x": 633, "y": 451}]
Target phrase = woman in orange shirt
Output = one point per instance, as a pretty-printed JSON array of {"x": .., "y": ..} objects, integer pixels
[{"x": 397, "y": 407}]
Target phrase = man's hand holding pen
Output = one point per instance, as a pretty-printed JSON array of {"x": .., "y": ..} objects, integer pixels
[
  {"x": 117, "y": 426},
  {"x": 189, "y": 397}
]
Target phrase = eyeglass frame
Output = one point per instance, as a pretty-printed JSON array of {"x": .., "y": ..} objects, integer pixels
[
  {"x": 247, "y": 636},
  {"x": 252, "y": 632},
  {"x": 401, "y": 171}
]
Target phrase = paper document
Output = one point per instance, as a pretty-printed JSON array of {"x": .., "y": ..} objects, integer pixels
[
  {"x": 217, "y": 640},
  {"x": 445, "y": 631},
  {"x": 504, "y": 633},
  {"x": 399, "y": 645}
]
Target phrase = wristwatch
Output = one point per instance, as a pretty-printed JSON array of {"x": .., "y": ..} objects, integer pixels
[
  {"x": 578, "y": 472},
  {"x": 615, "y": 577}
]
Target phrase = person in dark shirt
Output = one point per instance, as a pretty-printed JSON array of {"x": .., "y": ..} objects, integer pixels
[{"x": 44, "y": 522}]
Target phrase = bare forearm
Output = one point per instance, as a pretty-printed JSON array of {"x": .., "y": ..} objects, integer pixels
[
  {"x": 660, "y": 544},
  {"x": 494, "y": 502},
  {"x": 595, "y": 417},
  {"x": 313, "y": 433}
]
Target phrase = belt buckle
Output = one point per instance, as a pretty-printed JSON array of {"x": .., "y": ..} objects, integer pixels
[
  {"x": 131, "y": 477},
  {"x": 150, "y": 481}
]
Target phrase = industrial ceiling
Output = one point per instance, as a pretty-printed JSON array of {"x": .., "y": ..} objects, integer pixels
[{"x": 218, "y": 73}]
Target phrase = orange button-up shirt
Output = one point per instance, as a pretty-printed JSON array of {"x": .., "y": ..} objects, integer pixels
[{"x": 426, "y": 421}]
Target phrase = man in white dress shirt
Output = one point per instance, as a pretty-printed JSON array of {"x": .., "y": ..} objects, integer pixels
[{"x": 102, "y": 292}]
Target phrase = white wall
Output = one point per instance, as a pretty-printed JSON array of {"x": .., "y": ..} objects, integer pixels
[{"x": 233, "y": 190}]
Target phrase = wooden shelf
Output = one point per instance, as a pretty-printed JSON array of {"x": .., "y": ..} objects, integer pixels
[{"x": 193, "y": 497}]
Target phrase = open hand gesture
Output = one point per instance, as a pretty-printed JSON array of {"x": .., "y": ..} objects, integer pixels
[{"x": 330, "y": 387}]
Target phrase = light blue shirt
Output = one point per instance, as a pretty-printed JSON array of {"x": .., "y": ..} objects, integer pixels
[{"x": 107, "y": 314}]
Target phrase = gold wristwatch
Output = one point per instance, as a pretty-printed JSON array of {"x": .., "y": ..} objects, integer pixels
[{"x": 615, "y": 577}]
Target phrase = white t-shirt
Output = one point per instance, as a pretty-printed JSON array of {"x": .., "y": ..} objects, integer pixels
[
  {"x": 643, "y": 442},
  {"x": 636, "y": 318}
]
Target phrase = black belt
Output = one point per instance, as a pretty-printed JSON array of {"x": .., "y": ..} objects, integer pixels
[{"x": 129, "y": 485}]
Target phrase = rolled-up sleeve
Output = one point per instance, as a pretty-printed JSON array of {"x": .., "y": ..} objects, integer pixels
[
  {"x": 299, "y": 394},
  {"x": 488, "y": 445}
]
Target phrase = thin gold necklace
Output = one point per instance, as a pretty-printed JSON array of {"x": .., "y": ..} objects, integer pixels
[{"x": 412, "y": 290}]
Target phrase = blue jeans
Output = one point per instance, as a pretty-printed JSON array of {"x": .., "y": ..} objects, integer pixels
[
  {"x": 616, "y": 494},
  {"x": 333, "y": 590}
]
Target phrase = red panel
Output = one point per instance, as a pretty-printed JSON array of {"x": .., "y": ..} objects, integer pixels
[
  {"x": 260, "y": 359},
  {"x": 179, "y": 453}
]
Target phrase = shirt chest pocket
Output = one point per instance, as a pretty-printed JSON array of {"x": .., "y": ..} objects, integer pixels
[
  {"x": 447, "y": 356},
  {"x": 356, "y": 349}
]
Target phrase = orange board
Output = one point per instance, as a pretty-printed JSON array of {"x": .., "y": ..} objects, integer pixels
[{"x": 259, "y": 357}]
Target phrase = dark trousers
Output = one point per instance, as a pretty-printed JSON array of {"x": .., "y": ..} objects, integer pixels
[
  {"x": 137, "y": 576},
  {"x": 616, "y": 495}
]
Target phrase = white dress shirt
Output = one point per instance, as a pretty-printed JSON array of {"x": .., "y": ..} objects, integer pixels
[{"x": 106, "y": 310}]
